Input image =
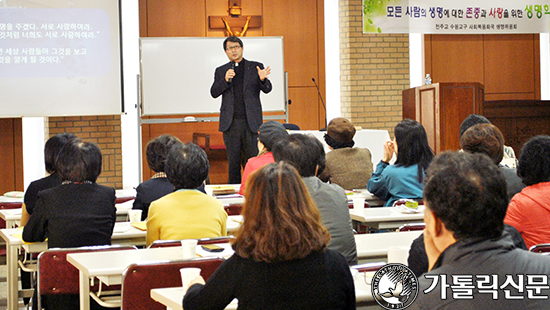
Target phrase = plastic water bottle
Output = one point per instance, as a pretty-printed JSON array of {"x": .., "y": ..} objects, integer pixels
[{"x": 428, "y": 80}]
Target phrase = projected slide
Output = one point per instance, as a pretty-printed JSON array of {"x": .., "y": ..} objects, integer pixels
[
  {"x": 60, "y": 58},
  {"x": 54, "y": 42}
]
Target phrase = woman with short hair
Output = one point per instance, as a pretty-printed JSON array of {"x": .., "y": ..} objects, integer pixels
[
  {"x": 348, "y": 166},
  {"x": 404, "y": 179},
  {"x": 158, "y": 185},
  {"x": 186, "y": 213},
  {"x": 79, "y": 212},
  {"x": 488, "y": 139},
  {"x": 280, "y": 260},
  {"x": 529, "y": 210},
  {"x": 51, "y": 150}
]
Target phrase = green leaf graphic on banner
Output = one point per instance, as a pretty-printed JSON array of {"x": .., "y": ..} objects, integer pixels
[{"x": 371, "y": 10}]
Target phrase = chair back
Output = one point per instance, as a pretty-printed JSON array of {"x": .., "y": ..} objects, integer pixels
[
  {"x": 412, "y": 227},
  {"x": 139, "y": 279},
  {"x": 53, "y": 262},
  {"x": 541, "y": 248},
  {"x": 223, "y": 239},
  {"x": 171, "y": 243},
  {"x": 233, "y": 209},
  {"x": 369, "y": 267},
  {"x": 289, "y": 126},
  {"x": 351, "y": 206}
]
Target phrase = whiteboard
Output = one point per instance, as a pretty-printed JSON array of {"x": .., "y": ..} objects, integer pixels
[{"x": 177, "y": 73}]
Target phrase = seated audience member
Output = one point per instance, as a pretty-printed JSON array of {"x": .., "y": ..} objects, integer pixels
[
  {"x": 186, "y": 213},
  {"x": 268, "y": 133},
  {"x": 306, "y": 153},
  {"x": 348, "y": 166},
  {"x": 158, "y": 185},
  {"x": 51, "y": 150},
  {"x": 466, "y": 201},
  {"x": 487, "y": 139},
  {"x": 418, "y": 259},
  {"x": 77, "y": 213},
  {"x": 405, "y": 178},
  {"x": 280, "y": 260},
  {"x": 475, "y": 119},
  {"x": 529, "y": 210}
]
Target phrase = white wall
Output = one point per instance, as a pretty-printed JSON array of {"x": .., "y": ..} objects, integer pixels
[
  {"x": 332, "y": 59},
  {"x": 131, "y": 168},
  {"x": 33, "y": 149},
  {"x": 544, "y": 66},
  {"x": 416, "y": 60}
]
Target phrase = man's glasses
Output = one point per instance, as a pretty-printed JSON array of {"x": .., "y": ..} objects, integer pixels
[{"x": 233, "y": 48}]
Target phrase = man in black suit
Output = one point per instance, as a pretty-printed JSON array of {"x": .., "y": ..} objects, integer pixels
[{"x": 239, "y": 82}]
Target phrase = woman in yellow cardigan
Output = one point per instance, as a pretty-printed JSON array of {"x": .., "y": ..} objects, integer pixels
[{"x": 186, "y": 213}]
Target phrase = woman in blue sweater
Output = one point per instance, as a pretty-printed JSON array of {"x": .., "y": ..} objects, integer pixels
[{"x": 405, "y": 178}]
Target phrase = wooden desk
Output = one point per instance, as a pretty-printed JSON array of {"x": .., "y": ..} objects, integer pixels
[
  {"x": 12, "y": 217},
  {"x": 372, "y": 200},
  {"x": 9, "y": 203},
  {"x": 123, "y": 233},
  {"x": 109, "y": 266},
  {"x": 172, "y": 297},
  {"x": 123, "y": 195},
  {"x": 385, "y": 217},
  {"x": 10, "y": 208},
  {"x": 233, "y": 223},
  {"x": 375, "y": 246}
]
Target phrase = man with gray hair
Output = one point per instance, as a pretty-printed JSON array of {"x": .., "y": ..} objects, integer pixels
[
  {"x": 472, "y": 264},
  {"x": 306, "y": 153}
]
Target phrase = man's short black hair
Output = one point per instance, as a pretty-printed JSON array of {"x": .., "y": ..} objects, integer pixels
[
  {"x": 471, "y": 120},
  {"x": 157, "y": 149},
  {"x": 186, "y": 166},
  {"x": 468, "y": 193},
  {"x": 79, "y": 161},
  {"x": 52, "y": 148},
  {"x": 232, "y": 39},
  {"x": 534, "y": 162},
  {"x": 305, "y": 152}
]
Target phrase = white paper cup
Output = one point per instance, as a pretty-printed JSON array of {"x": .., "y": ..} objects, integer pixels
[
  {"x": 189, "y": 248},
  {"x": 188, "y": 275},
  {"x": 358, "y": 203},
  {"x": 134, "y": 216},
  {"x": 209, "y": 191},
  {"x": 398, "y": 254}
]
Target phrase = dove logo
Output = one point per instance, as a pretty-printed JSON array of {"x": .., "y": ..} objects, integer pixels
[{"x": 394, "y": 286}]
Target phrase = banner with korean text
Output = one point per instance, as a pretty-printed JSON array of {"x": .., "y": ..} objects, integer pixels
[{"x": 456, "y": 17}]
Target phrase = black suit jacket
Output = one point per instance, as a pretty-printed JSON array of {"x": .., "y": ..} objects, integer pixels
[
  {"x": 73, "y": 215},
  {"x": 251, "y": 92}
]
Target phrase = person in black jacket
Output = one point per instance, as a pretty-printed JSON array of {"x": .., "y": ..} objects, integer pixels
[
  {"x": 239, "y": 83},
  {"x": 158, "y": 185},
  {"x": 51, "y": 150},
  {"x": 471, "y": 263},
  {"x": 77, "y": 213}
]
